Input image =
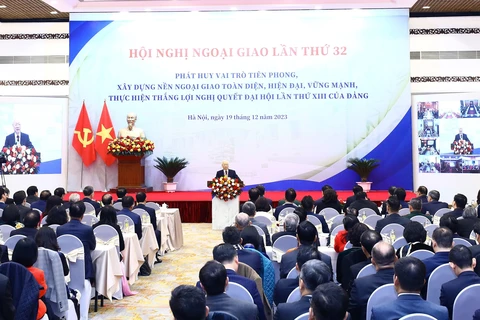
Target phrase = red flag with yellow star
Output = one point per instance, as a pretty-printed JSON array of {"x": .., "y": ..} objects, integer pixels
[
  {"x": 105, "y": 134},
  {"x": 83, "y": 138}
]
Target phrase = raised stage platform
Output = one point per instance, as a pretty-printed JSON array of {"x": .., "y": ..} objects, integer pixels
[{"x": 196, "y": 206}]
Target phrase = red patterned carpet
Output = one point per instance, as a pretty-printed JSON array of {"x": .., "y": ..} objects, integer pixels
[{"x": 196, "y": 206}]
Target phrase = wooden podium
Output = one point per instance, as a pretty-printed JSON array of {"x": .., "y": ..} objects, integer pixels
[{"x": 131, "y": 174}]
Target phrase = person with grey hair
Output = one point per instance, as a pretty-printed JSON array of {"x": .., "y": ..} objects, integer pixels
[
  {"x": 88, "y": 194},
  {"x": 313, "y": 273},
  {"x": 250, "y": 209},
  {"x": 434, "y": 204},
  {"x": 74, "y": 197},
  {"x": 383, "y": 258},
  {"x": 290, "y": 225},
  {"x": 242, "y": 221},
  {"x": 415, "y": 206},
  {"x": 465, "y": 225}
]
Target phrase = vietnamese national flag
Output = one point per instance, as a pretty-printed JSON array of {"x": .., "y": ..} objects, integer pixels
[
  {"x": 83, "y": 138},
  {"x": 105, "y": 134}
]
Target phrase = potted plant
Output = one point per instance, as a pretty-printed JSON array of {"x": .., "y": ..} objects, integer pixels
[
  {"x": 170, "y": 168},
  {"x": 363, "y": 167}
]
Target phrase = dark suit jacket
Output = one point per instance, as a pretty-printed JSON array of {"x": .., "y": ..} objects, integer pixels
[
  {"x": 85, "y": 234},
  {"x": 251, "y": 287},
  {"x": 277, "y": 235},
  {"x": 362, "y": 288},
  {"x": 7, "y": 307},
  {"x": 283, "y": 288},
  {"x": 27, "y": 232},
  {"x": 322, "y": 220},
  {"x": 289, "y": 260},
  {"x": 476, "y": 254},
  {"x": 457, "y": 236},
  {"x": 361, "y": 204},
  {"x": 31, "y": 199},
  {"x": 151, "y": 213},
  {"x": 231, "y": 174},
  {"x": 465, "y": 137},
  {"x": 349, "y": 201},
  {"x": 290, "y": 311},
  {"x": 433, "y": 206},
  {"x": 280, "y": 208},
  {"x": 241, "y": 309},
  {"x": 23, "y": 210},
  {"x": 94, "y": 203},
  {"x": 407, "y": 304},
  {"x": 433, "y": 262},
  {"x": 322, "y": 205},
  {"x": 465, "y": 226},
  {"x": 252, "y": 259},
  {"x": 351, "y": 259},
  {"x": 391, "y": 218},
  {"x": 355, "y": 270},
  {"x": 457, "y": 213},
  {"x": 136, "y": 220},
  {"x": 265, "y": 230},
  {"x": 452, "y": 288},
  {"x": 476, "y": 316},
  {"x": 40, "y": 205},
  {"x": 10, "y": 140}
]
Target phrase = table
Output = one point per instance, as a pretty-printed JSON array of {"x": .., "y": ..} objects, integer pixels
[
  {"x": 108, "y": 271},
  {"x": 163, "y": 227},
  {"x": 148, "y": 243},
  {"x": 333, "y": 255},
  {"x": 174, "y": 226},
  {"x": 132, "y": 256}
]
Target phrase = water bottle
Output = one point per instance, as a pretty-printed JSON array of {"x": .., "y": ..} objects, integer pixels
[
  {"x": 126, "y": 226},
  {"x": 392, "y": 236},
  {"x": 364, "y": 216}
]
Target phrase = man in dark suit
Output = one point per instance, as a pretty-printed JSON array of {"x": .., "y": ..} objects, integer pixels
[
  {"x": 107, "y": 200},
  {"x": 465, "y": 225},
  {"x": 393, "y": 206},
  {"x": 19, "y": 200},
  {"x": 391, "y": 192},
  {"x": 462, "y": 263},
  {"x": 83, "y": 232},
  {"x": 362, "y": 202},
  {"x": 261, "y": 192},
  {"x": 88, "y": 194},
  {"x": 32, "y": 194},
  {"x": 401, "y": 195},
  {"x": 214, "y": 280},
  {"x": 356, "y": 189},
  {"x": 290, "y": 224},
  {"x": 383, "y": 258},
  {"x": 141, "y": 198},
  {"x": 41, "y": 204},
  {"x": 188, "y": 302},
  {"x": 329, "y": 301},
  {"x": 17, "y": 137},
  {"x": 442, "y": 242},
  {"x": 459, "y": 203},
  {"x": 307, "y": 205},
  {"x": 249, "y": 208},
  {"x": 408, "y": 281},
  {"x": 7, "y": 306},
  {"x": 433, "y": 204},
  {"x": 226, "y": 172},
  {"x": 422, "y": 194},
  {"x": 121, "y": 192},
  {"x": 476, "y": 248},
  {"x": 306, "y": 235},
  {"x": 351, "y": 256},
  {"x": 290, "y": 195},
  {"x": 312, "y": 274},
  {"x": 31, "y": 222},
  {"x": 3, "y": 198},
  {"x": 415, "y": 207},
  {"x": 231, "y": 235},
  {"x": 461, "y": 136},
  {"x": 284, "y": 287},
  {"x": 127, "y": 204}
]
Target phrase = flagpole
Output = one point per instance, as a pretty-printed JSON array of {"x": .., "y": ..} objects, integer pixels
[
  {"x": 81, "y": 178},
  {"x": 105, "y": 176}
]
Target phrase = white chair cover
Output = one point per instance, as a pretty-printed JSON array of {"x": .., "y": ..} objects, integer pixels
[
  {"x": 418, "y": 316},
  {"x": 334, "y": 232},
  {"x": 286, "y": 211},
  {"x": 314, "y": 220},
  {"x": 282, "y": 245},
  {"x": 348, "y": 245},
  {"x": 439, "y": 276},
  {"x": 292, "y": 274},
  {"x": 144, "y": 216},
  {"x": 400, "y": 242},
  {"x": 54, "y": 227},
  {"x": 89, "y": 209},
  {"x": 422, "y": 220},
  {"x": 106, "y": 234},
  {"x": 118, "y": 205},
  {"x": 44, "y": 221},
  {"x": 422, "y": 254},
  {"x": 89, "y": 219},
  {"x": 457, "y": 241},
  {"x": 365, "y": 212},
  {"x": 11, "y": 242},
  {"x": 295, "y": 295},
  {"x": 5, "y": 231},
  {"x": 439, "y": 214},
  {"x": 239, "y": 292},
  {"x": 125, "y": 223},
  {"x": 153, "y": 205},
  {"x": 329, "y": 213},
  {"x": 388, "y": 235},
  {"x": 303, "y": 316},
  {"x": 366, "y": 271},
  {"x": 372, "y": 220},
  {"x": 404, "y": 211},
  {"x": 383, "y": 294},
  {"x": 464, "y": 306}
]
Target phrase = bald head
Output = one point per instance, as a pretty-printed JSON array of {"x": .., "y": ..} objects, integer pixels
[
  {"x": 383, "y": 255},
  {"x": 225, "y": 165}
]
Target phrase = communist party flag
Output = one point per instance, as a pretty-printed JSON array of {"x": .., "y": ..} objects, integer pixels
[
  {"x": 83, "y": 138},
  {"x": 105, "y": 134}
]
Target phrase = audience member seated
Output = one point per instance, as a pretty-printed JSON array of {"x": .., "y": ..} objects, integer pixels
[
  {"x": 290, "y": 196},
  {"x": 422, "y": 192},
  {"x": 261, "y": 192},
  {"x": 57, "y": 215},
  {"x": 41, "y": 203},
  {"x": 415, "y": 235},
  {"x": 415, "y": 207},
  {"x": 356, "y": 189},
  {"x": 7, "y": 307},
  {"x": 329, "y": 301},
  {"x": 329, "y": 200},
  {"x": 393, "y": 206},
  {"x": 368, "y": 239},
  {"x": 459, "y": 203},
  {"x": 401, "y": 195},
  {"x": 141, "y": 198},
  {"x": 408, "y": 280},
  {"x": 465, "y": 225},
  {"x": 46, "y": 238},
  {"x": 76, "y": 228},
  {"x": 188, "y": 303},
  {"x": 214, "y": 279},
  {"x": 306, "y": 236},
  {"x": 19, "y": 198},
  {"x": 476, "y": 248},
  {"x": 307, "y": 205},
  {"x": 289, "y": 225},
  {"x": 108, "y": 216},
  {"x": 312, "y": 274},
  {"x": 462, "y": 263},
  {"x": 249, "y": 208},
  {"x": 10, "y": 216},
  {"x": 60, "y": 192},
  {"x": 121, "y": 192},
  {"x": 252, "y": 239},
  {"x": 351, "y": 256},
  {"x": 262, "y": 205},
  {"x": 451, "y": 222},
  {"x": 284, "y": 287},
  {"x": 6, "y": 196},
  {"x": 30, "y": 222},
  {"x": 26, "y": 253},
  {"x": 88, "y": 194},
  {"x": 3, "y": 198},
  {"x": 442, "y": 242},
  {"x": 391, "y": 192},
  {"x": 74, "y": 197},
  {"x": 253, "y": 195},
  {"x": 32, "y": 194},
  {"x": 433, "y": 204},
  {"x": 362, "y": 202},
  {"x": 52, "y": 201},
  {"x": 231, "y": 235},
  {"x": 341, "y": 238},
  {"x": 383, "y": 258},
  {"x": 127, "y": 204},
  {"x": 227, "y": 255},
  {"x": 107, "y": 200}
]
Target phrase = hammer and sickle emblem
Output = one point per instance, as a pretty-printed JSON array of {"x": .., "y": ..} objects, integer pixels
[{"x": 84, "y": 140}]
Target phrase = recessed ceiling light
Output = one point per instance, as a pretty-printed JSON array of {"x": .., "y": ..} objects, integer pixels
[
  {"x": 426, "y": 7},
  {"x": 54, "y": 12},
  {"x": 3, "y": 6}
]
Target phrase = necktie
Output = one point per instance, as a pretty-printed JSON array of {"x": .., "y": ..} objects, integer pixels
[
  {"x": 18, "y": 139},
  {"x": 461, "y": 137},
  {"x": 225, "y": 173}
]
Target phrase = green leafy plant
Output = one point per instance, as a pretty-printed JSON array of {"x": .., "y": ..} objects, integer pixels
[
  {"x": 170, "y": 167},
  {"x": 363, "y": 167}
]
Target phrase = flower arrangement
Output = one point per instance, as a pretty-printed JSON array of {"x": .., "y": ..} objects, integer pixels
[
  {"x": 226, "y": 188},
  {"x": 130, "y": 147},
  {"x": 20, "y": 160},
  {"x": 462, "y": 147}
]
